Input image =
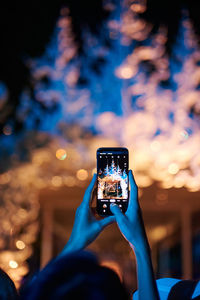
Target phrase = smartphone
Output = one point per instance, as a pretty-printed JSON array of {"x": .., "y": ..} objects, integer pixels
[{"x": 112, "y": 179}]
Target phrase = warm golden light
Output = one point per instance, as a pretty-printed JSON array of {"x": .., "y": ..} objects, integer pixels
[
  {"x": 173, "y": 168},
  {"x": 61, "y": 154},
  {"x": 179, "y": 182},
  {"x": 13, "y": 264},
  {"x": 69, "y": 181},
  {"x": 56, "y": 181},
  {"x": 158, "y": 233},
  {"x": 157, "y": 123},
  {"x": 82, "y": 174},
  {"x": 20, "y": 245},
  {"x": 5, "y": 178}
]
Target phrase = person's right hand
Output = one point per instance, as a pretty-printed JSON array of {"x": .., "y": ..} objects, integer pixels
[
  {"x": 131, "y": 223},
  {"x": 132, "y": 227}
]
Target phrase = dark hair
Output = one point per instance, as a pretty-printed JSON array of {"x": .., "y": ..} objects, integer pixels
[
  {"x": 7, "y": 288},
  {"x": 75, "y": 276}
]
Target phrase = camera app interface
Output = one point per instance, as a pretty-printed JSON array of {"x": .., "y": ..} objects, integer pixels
[{"x": 112, "y": 180}]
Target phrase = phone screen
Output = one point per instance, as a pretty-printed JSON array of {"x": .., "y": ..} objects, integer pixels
[{"x": 112, "y": 179}]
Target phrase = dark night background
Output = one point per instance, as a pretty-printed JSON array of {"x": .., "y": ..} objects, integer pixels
[{"x": 26, "y": 28}]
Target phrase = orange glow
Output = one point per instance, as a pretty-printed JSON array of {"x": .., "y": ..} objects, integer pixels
[
  {"x": 179, "y": 182},
  {"x": 20, "y": 245},
  {"x": 173, "y": 168},
  {"x": 5, "y": 178},
  {"x": 82, "y": 174},
  {"x": 69, "y": 181},
  {"x": 158, "y": 233},
  {"x": 138, "y": 8},
  {"x": 61, "y": 154},
  {"x": 56, "y": 181}
]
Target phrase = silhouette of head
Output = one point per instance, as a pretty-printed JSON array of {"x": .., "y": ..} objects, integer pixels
[
  {"x": 75, "y": 276},
  {"x": 7, "y": 287}
]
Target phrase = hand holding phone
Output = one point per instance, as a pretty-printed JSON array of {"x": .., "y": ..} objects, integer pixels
[
  {"x": 131, "y": 223},
  {"x": 86, "y": 227},
  {"x": 112, "y": 179}
]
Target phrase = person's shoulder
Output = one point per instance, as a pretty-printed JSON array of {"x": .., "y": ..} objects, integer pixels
[
  {"x": 196, "y": 291},
  {"x": 164, "y": 286},
  {"x": 172, "y": 289}
]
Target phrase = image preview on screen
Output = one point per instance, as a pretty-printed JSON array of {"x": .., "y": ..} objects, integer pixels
[{"x": 112, "y": 176}]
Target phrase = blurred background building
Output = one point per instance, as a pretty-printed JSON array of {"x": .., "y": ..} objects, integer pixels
[{"x": 78, "y": 75}]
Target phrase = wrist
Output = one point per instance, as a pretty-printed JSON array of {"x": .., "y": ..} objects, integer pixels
[{"x": 141, "y": 246}]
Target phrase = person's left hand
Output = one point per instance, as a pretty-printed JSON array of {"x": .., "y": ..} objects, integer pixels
[{"x": 86, "y": 227}]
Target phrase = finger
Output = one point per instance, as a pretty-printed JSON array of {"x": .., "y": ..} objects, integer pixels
[
  {"x": 93, "y": 197},
  {"x": 88, "y": 192},
  {"x": 120, "y": 217},
  {"x": 132, "y": 181},
  {"x": 133, "y": 199},
  {"x": 107, "y": 221}
]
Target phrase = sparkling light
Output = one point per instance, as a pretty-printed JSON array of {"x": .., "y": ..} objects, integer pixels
[
  {"x": 154, "y": 123},
  {"x": 61, "y": 154},
  {"x": 126, "y": 72},
  {"x": 20, "y": 244},
  {"x": 13, "y": 264},
  {"x": 160, "y": 133}
]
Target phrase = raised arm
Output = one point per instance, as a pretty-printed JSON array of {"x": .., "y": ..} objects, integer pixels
[
  {"x": 86, "y": 227},
  {"x": 132, "y": 227}
]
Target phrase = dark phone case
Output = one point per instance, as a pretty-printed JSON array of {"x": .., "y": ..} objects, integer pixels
[{"x": 110, "y": 150}]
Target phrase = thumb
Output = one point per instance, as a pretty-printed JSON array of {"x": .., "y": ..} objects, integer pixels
[{"x": 117, "y": 212}]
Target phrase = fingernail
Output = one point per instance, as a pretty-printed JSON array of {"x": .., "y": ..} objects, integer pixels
[{"x": 113, "y": 204}]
